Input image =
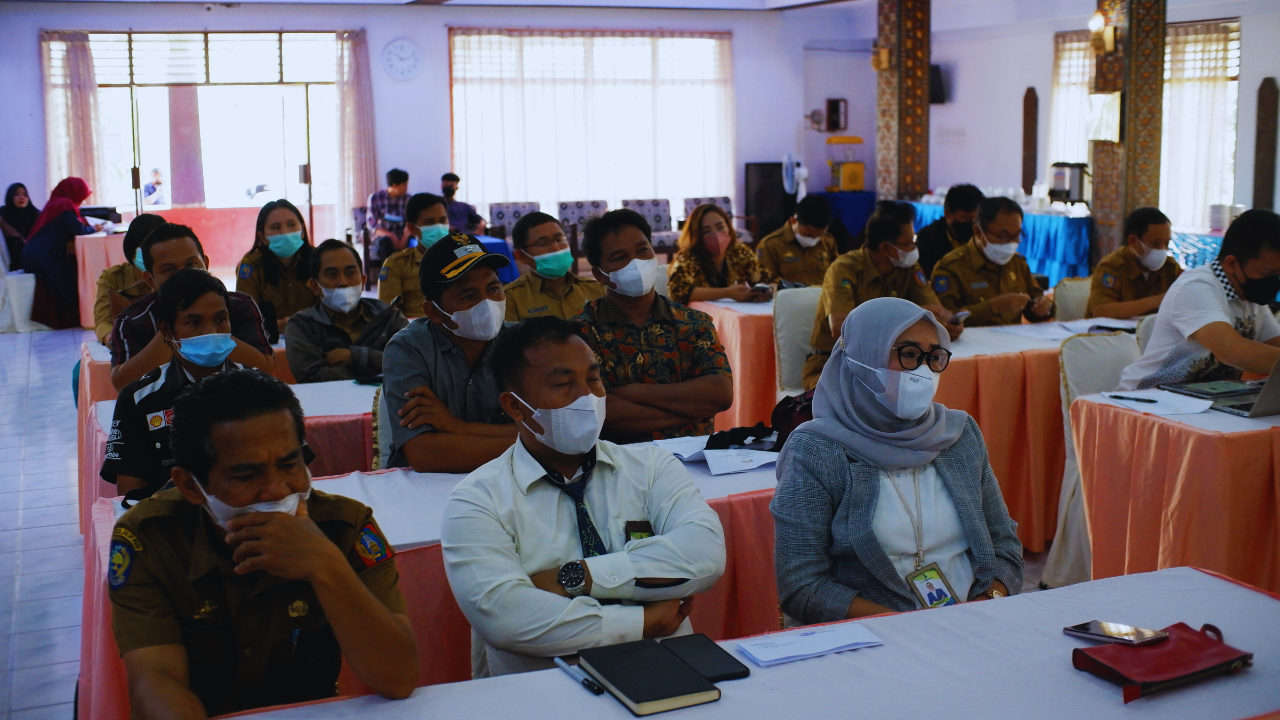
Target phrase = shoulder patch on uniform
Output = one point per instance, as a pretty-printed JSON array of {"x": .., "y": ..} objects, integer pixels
[
  {"x": 846, "y": 283},
  {"x": 371, "y": 547},
  {"x": 941, "y": 283},
  {"x": 126, "y": 536},
  {"x": 920, "y": 278},
  {"x": 1108, "y": 280},
  {"x": 120, "y": 563},
  {"x": 245, "y": 272},
  {"x": 383, "y": 274}
]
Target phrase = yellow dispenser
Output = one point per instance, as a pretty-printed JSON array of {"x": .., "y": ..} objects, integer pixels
[{"x": 847, "y": 172}]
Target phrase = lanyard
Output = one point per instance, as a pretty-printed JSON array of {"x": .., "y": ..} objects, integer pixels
[{"x": 917, "y": 520}]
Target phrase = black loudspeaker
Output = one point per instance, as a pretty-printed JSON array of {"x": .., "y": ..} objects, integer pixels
[
  {"x": 766, "y": 199},
  {"x": 937, "y": 91}
]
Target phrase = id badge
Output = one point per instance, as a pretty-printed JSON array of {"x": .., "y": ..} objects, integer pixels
[
  {"x": 638, "y": 530},
  {"x": 931, "y": 587}
]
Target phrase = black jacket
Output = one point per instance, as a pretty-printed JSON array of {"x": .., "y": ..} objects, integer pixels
[{"x": 310, "y": 334}]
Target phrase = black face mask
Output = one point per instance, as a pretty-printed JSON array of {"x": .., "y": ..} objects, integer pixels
[
  {"x": 961, "y": 230},
  {"x": 1261, "y": 291},
  {"x": 450, "y": 192}
]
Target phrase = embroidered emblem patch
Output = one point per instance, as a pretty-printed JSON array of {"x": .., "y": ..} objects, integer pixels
[
  {"x": 371, "y": 548},
  {"x": 846, "y": 283},
  {"x": 941, "y": 283},
  {"x": 466, "y": 250},
  {"x": 158, "y": 420},
  {"x": 298, "y": 608},
  {"x": 539, "y": 309},
  {"x": 120, "y": 563},
  {"x": 977, "y": 285},
  {"x": 791, "y": 258},
  {"x": 206, "y": 611},
  {"x": 1108, "y": 280},
  {"x": 383, "y": 275},
  {"x": 246, "y": 271},
  {"x": 920, "y": 278},
  {"x": 125, "y": 536}
]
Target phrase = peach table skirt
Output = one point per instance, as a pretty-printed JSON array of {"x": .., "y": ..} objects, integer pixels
[
  {"x": 748, "y": 344},
  {"x": 95, "y": 253}
]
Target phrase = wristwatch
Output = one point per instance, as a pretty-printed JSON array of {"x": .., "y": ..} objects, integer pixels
[{"x": 573, "y": 578}]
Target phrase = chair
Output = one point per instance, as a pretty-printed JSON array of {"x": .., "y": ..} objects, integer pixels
[
  {"x": 360, "y": 234},
  {"x": 726, "y": 204},
  {"x": 382, "y": 442},
  {"x": 658, "y": 213},
  {"x": 1146, "y": 326},
  {"x": 793, "y": 314},
  {"x": 661, "y": 283},
  {"x": 1090, "y": 364},
  {"x": 574, "y": 214},
  {"x": 503, "y": 216},
  {"x": 1071, "y": 298}
]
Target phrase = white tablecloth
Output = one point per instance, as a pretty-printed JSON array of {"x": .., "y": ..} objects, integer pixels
[
  {"x": 988, "y": 341},
  {"x": 978, "y": 660},
  {"x": 98, "y": 351},
  {"x": 747, "y": 308},
  {"x": 1211, "y": 420}
]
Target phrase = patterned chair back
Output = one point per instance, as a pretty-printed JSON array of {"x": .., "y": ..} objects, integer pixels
[
  {"x": 723, "y": 203},
  {"x": 574, "y": 214},
  {"x": 505, "y": 215},
  {"x": 657, "y": 212}
]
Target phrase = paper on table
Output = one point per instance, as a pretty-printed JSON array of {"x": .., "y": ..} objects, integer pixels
[
  {"x": 723, "y": 462},
  {"x": 1084, "y": 326},
  {"x": 1166, "y": 403},
  {"x": 805, "y": 643},
  {"x": 747, "y": 308},
  {"x": 1041, "y": 331},
  {"x": 687, "y": 449}
]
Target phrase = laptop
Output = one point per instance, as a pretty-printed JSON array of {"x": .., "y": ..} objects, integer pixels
[{"x": 1262, "y": 404}]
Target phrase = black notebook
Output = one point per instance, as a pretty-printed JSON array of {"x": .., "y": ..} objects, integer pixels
[
  {"x": 705, "y": 656},
  {"x": 646, "y": 677}
]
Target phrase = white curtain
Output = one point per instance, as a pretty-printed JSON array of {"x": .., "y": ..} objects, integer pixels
[
  {"x": 558, "y": 116},
  {"x": 357, "y": 151},
  {"x": 1197, "y": 155},
  {"x": 71, "y": 108},
  {"x": 1069, "y": 103}
]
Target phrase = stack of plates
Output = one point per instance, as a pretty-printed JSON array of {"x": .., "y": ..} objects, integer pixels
[{"x": 1219, "y": 217}]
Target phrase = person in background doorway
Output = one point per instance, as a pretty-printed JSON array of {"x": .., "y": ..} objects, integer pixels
[
  {"x": 16, "y": 220},
  {"x": 152, "y": 192},
  {"x": 120, "y": 285},
  {"x": 712, "y": 265},
  {"x": 1133, "y": 280},
  {"x": 275, "y": 272},
  {"x": 549, "y": 285},
  {"x": 462, "y": 217},
  {"x": 801, "y": 250},
  {"x": 953, "y": 229},
  {"x": 50, "y": 253},
  {"x": 386, "y": 216},
  {"x": 427, "y": 221},
  {"x": 341, "y": 337}
]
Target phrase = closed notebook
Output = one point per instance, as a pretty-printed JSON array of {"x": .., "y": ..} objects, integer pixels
[
  {"x": 647, "y": 678},
  {"x": 706, "y": 657}
]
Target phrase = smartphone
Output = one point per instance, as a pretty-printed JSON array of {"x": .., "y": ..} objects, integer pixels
[
  {"x": 960, "y": 317},
  {"x": 1115, "y": 633},
  {"x": 761, "y": 288}
]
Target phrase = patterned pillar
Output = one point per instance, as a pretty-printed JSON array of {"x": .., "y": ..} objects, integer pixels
[
  {"x": 902, "y": 99},
  {"x": 1144, "y": 102}
]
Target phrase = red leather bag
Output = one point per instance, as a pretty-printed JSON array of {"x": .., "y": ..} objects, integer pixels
[{"x": 1187, "y": 656}]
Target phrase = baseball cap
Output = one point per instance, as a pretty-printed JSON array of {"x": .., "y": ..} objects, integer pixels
[{"x": 453, "y": 255}]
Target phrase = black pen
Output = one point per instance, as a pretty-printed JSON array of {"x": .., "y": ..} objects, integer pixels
[
  {"x": 1133, "y": 399},
  {"x": 580, "y": 677}
]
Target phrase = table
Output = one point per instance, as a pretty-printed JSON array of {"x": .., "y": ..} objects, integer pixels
[
  {"x": 339, "y": 431},
  {"x": 1180, "y": 490},
  {"x": 746, "y": 331},
  {"x": 491, "y": 244},
  {"x": 1193, "y": 249},
  {"x": 1009, "y": 653},
  {"x": 1054, "y": 245},
  {"x": 408, "y": 507},
  {"x": 95, "y": 253}
]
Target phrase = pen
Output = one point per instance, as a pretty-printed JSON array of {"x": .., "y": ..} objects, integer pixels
[
  {"x": 1133, "y": 399},
  {"x": 580, "y": 677}
]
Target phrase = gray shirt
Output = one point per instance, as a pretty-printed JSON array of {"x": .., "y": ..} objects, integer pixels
[{"x": 421, "y": 355}]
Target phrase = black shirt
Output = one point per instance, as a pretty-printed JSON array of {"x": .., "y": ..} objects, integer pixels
[
  {"x": 934, "y": 242},
  {"x": 138, "y": 445}
]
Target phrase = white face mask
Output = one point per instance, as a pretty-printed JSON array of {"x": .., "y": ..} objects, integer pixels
[
  {"x": 907, "y": 395},
  {"x": 341, "y": 299},
  {"x": 637, "y": 278},
  {"x": 998, "y": 254},
  {"x": 482, "y": 322},
  {"x": 572, "y": 429},
  {"x": 806, "y": 241},
  {"x": 908, "y": 260},
  {"x": 1154, "y": 258},
  {"x": 222, "y": 512}
]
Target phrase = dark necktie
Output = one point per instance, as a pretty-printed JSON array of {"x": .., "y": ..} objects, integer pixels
[{"x": 592, "y": 545}]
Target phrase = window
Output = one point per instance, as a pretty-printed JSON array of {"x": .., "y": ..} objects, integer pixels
[
  {"x": 552, "y": 116},
  {"x": 1198, "y": 144},
  {"x": 1069, "y": 102}
]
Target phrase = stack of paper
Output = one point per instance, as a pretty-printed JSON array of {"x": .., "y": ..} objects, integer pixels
[
  {"x": 723, "y": 462},
  {"x": 1166, "y": 403},
  {"x": 747, "y": 308},
  {"x": 687, "y": 449},
  {"x": 805, "y": 643}
]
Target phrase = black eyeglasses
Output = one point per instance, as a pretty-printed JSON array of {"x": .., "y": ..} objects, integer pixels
[{"x": 911, "y": 357}]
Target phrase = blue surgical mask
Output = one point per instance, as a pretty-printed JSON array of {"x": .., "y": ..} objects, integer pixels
[
  {"x": 284, "y": 246},
  {"x": 431, "y": 234},
  {"x": 553, "y": 265},
  {"x": 137, "y": 261},
  {"x": 207, "y": 350}
]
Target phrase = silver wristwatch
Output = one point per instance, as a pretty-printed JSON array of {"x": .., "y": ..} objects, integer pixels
[{"x": 573, "y": 578}]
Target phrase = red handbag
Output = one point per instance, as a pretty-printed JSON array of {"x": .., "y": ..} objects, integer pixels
[{"x": 1187, "y": 656}]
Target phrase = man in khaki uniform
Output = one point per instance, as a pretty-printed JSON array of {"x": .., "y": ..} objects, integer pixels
[
  {"x": 242, "y": 587},
  {"x": 427, "y": 219},
  {"x": 987, "y": 276},
  {"x": 549, "y": 285},
  {"x": 1133, "y": 280},
  {"x": 801, "y": 250},
  {"x": 885, "y": 267}
]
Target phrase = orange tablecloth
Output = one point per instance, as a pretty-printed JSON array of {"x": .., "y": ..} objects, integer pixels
[
  {"x": 95, "y": 253},
  {"x": 748, "y": 343},
  {"x": 1159, "y": 493}
]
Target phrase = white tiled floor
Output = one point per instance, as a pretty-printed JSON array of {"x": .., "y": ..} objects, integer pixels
[{"x": 41, "y": 550}]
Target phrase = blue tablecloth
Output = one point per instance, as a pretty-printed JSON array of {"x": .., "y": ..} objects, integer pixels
[
  {"x": 499, "y": 246},
  {"x": 1054, "y": 245},
  {"x": 851, "y": 208},
  {"x": 1194, "y": 249}
]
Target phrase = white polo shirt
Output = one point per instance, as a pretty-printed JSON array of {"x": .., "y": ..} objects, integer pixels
[
  {"x": 1198, "y": 297},
  {"x": 506, "y": 522}
]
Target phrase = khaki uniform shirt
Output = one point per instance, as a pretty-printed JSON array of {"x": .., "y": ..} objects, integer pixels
[
  {"x": 399, "y": 279},
  {"x": 850, "y": 281},
  {"x": 781, "y": 254},
  {"x": 125, "y": 279},
  {"x": 528, "y": 296},
  {"x": 252, "y": 640},
  {"x": 965, "y": 280},
  {"x": 291, "y": 295},
  {"x": 1121, "y": 278}
]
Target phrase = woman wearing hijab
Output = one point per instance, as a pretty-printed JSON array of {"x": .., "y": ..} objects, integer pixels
[
  {"x": 50, "y": 254},
  {"x": 16, "y": 220},
  {"x": 712, "y": 265},
  {"x": 884, "y": 484},
  {"x": 275, "y": 272}
]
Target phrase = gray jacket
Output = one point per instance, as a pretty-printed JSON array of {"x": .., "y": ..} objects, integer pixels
[
  {"x": 310, "y": 334},
  {"x": 825, "y": 552}
]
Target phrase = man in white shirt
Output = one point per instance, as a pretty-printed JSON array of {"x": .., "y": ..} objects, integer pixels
[
  {"x": 1214, "y": 321},
  {"x": 515, "y": 531}
]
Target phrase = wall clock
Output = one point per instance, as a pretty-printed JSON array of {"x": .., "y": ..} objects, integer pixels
[{"x": 402, "y": 59}]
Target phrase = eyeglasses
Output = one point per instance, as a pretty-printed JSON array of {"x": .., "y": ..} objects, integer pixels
[
  {"x": 911, "y": 357},
  {"x": 547, "y": 243}
]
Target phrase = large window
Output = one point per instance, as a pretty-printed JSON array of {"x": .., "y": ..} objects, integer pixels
[
  {"x": 1069, "y": 103},
  {"x": 560, "y": 116}
]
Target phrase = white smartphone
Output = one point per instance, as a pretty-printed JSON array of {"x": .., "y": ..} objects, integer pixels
[
  {"x": 1115, "y": 633},
  {"x": 960, "y": 317}
]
